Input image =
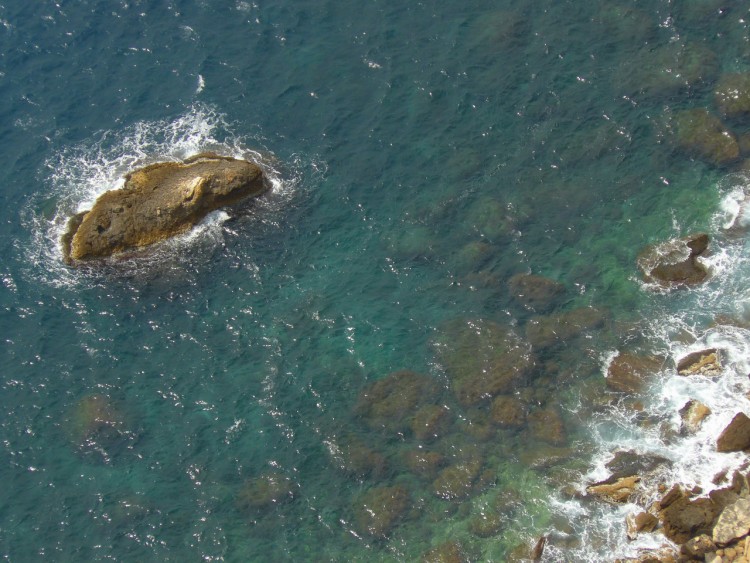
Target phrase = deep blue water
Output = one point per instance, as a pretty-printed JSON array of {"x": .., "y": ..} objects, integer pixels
[{"x": 423, "y": 153}]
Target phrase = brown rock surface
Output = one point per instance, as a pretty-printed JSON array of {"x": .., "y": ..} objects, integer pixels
[
  {"x": 733, "y": 522},
  {"x": 702, "y": 362},
  {"x": 616, "y": 492},
  {"x": 508, "y": 411},
  {"x": 640, "y": 522},
  {"x": 158, "y": 202},
  {"x": 674, "y": 262},
  {"x": 549, "y": 331},
  {"x": 693, "y": 414},
  {"x": 628, "y": 372},
  {"x": 736, "y": 436}
]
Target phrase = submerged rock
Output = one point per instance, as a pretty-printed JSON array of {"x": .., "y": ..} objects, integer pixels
[
  {"x": 675, "y": 262},
  {"x": 158, "y": 202},
  {"x": 98, "y": 427},
  {"x": 702, "y": 135},
  {"x": 483, "y": 359},
  {"x": 266, "y": 491},
  {"x": 553, "y": 330},
  {"x": 378, "y": 510},
  {"x": 448, "y": 552},
  {"x": 390, "y": 403},
  {"x": 732, "y": 94},
  {"x": 536, "y": 292}
]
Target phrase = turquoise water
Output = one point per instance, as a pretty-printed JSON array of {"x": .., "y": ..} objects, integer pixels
[{"x": 212, "y": 399}]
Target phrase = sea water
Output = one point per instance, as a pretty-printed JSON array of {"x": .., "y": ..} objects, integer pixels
[{"x": 205, "y": 399}]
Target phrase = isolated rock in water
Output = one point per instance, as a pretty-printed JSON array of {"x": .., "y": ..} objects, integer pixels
[
  {"x": 158, "y": 202},
  {"x": 702, "y": 135},
  {"x": 733, "y": 522},
  {"x": 703, "y": 362},
  {"x": 736, "y": 436},
  {"x": 675, "y": 262},
  {"x": 693, "y": 414},
  {"x": 732, "y": 94}
]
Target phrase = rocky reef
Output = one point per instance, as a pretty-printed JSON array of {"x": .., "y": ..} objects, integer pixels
[{"x": 157, "y": 202}]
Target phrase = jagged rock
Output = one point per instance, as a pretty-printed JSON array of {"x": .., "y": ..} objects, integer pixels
[
  {"x": 158, "y": 202},
  {"x": 628, "y": 372},
  {"x": 618, "y": 491},
  {"x": 736, "y": 436},
  {"x": 536, "y": 292},
  {"x": 702, "y": 135},
  {"x": 698, "y": 546},
  {"x": 641, "y": 522},
  {"x": 733, "y": 522},
  {"x": 378, "y": 510},
  {"x": 702, "y": 362},
  {"x": 732, "y": 94},
  {"x": 684, "y": 518},
  {"x": 693, "y": 414},
  {"x": 674, "y": 262}
]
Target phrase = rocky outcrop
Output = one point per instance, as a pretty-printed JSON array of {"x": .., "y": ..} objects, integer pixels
[
  {"x": 693, "y": 413},
  {"x": 733, "y": 522},
  {"x": 675, "y": 262},
  {"x": 702, "y": 362},
  {"x": 628, "y": 372},
  {"x": 736, "y": 436},
  {"x": 158, "y": 202}
]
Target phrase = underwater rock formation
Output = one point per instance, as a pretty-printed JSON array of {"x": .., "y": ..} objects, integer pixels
[
  {"x": 732, "y": 94},
  {"x": 158, "y": 202},
  {"x": 378, "y": 510},
  {"x": 702, "y": 135}
]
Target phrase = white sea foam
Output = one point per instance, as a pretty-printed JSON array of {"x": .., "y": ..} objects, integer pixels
[
  {"x": 77, "y": 175},
  {"x": 714, "y": 315}
]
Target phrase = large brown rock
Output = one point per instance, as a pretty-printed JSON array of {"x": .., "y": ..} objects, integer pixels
[
  {"x": 733, "y": 522},
  {"x": 675, "y": 262},
  {"x": 702, "y": 362},
  {"x": 628, "y": 372},
  {"x": 736, "y": 436},
  {"x": 158, "y": 202}
]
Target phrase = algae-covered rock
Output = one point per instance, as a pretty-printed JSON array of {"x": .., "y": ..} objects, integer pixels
[
  {"x": 97, "y": 426},
  {"x": 431, "y": 422},
  {"x": 483, "y": 359},
  {"x": 508, "y": 411},
  {"x": 676, "y": 262},
  {"x": 447, "y": 552},
  {"x": 266, "y": 491},
  {"x": 702, "y": 135},
  {"x": 547, "y": 425},
  {"x": 353, "y": 457},
  {"x": 158, "y": 202},
  {"x": 425, "y": 464},
  {"x": 553, "y": 330},
  {"x": 390, "y": 403},
  {"x": 456, "y": 481},
  {"x": 378, "y": 510},
  {"x": 535, "y": 292},
  {"x": 732, "y": 94}
]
